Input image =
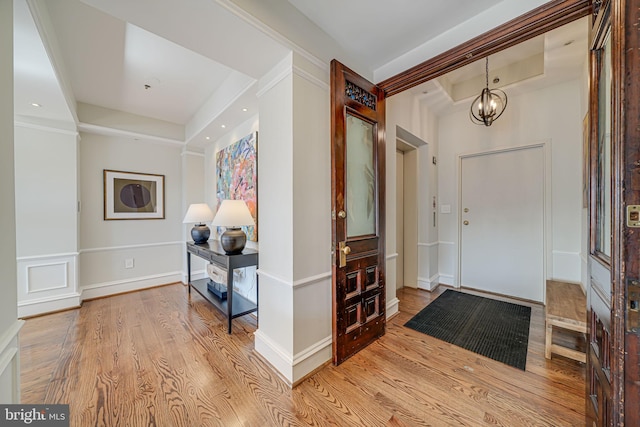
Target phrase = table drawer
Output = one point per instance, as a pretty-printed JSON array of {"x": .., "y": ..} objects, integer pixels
[{"x": 212, "y": 257}]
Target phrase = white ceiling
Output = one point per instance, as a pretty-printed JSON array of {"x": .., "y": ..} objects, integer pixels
[
  {"x": 202, "y": 59},
  {"x": 379, "y": 31}
]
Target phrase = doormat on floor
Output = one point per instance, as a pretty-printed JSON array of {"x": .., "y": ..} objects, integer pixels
[{"x": 495, "y": 329}]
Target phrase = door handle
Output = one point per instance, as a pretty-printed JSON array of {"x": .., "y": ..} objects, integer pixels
[{"x": 344, "y": 251}]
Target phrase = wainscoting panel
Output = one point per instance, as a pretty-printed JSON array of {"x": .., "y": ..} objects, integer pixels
[
  {"x": 10, "y": 364},
  {"x": 47, "y": 277},
  {"x": 47, "y": 283}
]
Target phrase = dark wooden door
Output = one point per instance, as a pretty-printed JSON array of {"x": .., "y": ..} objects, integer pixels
[
  {"x": 358, "y": 197},
  {"x": 613, "y": 353},
  {"x": 599, "y": 398}
]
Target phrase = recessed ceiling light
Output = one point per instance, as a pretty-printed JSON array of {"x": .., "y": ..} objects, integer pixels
[
  {"x": 35, "y": 104},
  {"x": 223, "y": 126},
  {"x": 245, "y": 109},
  {"x": 207, "y": 138}
]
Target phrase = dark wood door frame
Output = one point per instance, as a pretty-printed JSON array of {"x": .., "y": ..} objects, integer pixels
[
  {"x": 625, "y": 15},
  {"x": 625, "y": 262},
  {"x": 551, "y": 15}
]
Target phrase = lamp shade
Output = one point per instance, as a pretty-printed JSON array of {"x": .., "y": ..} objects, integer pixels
[
  {"x": 233, "y": 213},
  {"x": 198, "y": 213}
]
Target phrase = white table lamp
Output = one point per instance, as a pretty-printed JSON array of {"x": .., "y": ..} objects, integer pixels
[
  {"x": 199, "y": 213},
  {"x": 232, "y": 214}
]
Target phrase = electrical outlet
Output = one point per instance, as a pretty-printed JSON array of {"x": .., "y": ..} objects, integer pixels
[{"x": 128, "y": 263}]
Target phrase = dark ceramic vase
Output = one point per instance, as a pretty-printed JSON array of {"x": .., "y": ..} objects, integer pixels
[{"x": 233, "y": 240}]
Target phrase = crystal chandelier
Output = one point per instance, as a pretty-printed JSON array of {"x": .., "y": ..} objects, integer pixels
[{"x": 489, "y": 105}]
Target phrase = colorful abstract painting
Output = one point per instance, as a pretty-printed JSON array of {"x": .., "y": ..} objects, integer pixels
[{"x": 237, "y": 177}]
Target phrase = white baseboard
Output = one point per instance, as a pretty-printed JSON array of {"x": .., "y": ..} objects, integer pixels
[
  {"x": 392, "y": 307},
  {"x": 429, "y": 284},
  {"x": 48, "y": 305},
  {"x": 275, "y": 355},
  {"x": 128, "y": 285},
  {"x": 446, "y": 279},
  {"x": 311, "y": 358},
  {"x": 296, "y": 367}
]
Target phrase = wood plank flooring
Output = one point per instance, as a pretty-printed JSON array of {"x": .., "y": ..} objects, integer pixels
[{"x": 153, "y": 358}]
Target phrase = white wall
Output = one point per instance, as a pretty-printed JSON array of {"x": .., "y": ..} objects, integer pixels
[
  {"x": 245, "y": 280},
  {"x": 46, "y": 188},
  {"x": 193, "y": 191},
  {"x": 554, "y": 115},
  {"x": 156, "y": 246},
  {"x": 405, "y": 110},
  {"x": 46, "y": 195},
  {"x": 9, "y": 325}
]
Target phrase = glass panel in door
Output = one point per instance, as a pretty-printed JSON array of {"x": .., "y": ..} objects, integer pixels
[
  {"x": 603, "y": 192},
  {"x": 360, "y": 179}
]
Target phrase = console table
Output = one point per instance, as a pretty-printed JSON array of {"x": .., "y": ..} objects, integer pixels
[{"x": 235, "y": 305}]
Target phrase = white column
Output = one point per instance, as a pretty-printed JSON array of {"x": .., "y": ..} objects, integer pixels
[
  {"x": 294, "y": 332},
  {"x": 9, "y": 324}
]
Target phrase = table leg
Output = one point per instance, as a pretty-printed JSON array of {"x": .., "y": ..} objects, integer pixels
[
  {"x": 229, "y": 297},
  {"x": 189, "y": 272}
]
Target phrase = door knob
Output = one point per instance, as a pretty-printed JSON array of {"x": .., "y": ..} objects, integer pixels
[
  {"x": 342, "y": 214},
  {"x": 346, "y": 250},
  {"x": 466, "y": 222}
]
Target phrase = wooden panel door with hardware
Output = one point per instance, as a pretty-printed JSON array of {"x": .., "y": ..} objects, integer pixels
[
  {"x": 357, "y": 186},
  {"x": 613, "y": 353}
]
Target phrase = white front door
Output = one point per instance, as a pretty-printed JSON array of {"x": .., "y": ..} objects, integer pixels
[{"x": 502, "y": 222}]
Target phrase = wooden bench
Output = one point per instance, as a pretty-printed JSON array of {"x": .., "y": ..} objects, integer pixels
[{"x": 566, "y": 308}]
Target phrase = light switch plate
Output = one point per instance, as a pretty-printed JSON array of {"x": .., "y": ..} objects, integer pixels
[{"x": 633, "y": 216}]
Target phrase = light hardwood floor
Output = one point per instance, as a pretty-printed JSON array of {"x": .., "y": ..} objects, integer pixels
[{"x": 152, "y": 358}]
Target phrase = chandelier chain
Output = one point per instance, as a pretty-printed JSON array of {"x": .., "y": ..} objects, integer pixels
[{"x": 486, "y": 67}]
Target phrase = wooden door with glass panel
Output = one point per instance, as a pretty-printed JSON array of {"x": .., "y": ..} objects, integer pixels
[
  {"x": 599, "y": 296},
  {"x": 613, "y": 361},
  {"x": 358, "y": 158}
]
